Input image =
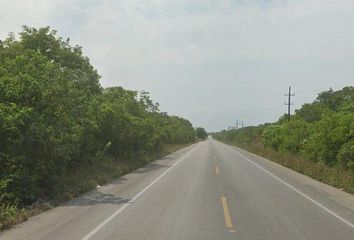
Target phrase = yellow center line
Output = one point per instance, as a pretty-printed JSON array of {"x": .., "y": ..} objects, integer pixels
[
  {"x": 227, "y": 216},
  {"x": 217, "y": 170}
]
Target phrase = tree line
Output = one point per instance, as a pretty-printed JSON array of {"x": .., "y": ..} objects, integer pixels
[
  {"x": 61, "y": 132},
  {"x": 321, "y": 132}
]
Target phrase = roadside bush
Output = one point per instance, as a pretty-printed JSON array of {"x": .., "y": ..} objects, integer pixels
[
  {"x": 58, "y": 122},
  {"x": 346, "y": 155},
  {"x": 273, "y": 136},
  {"x": 317, "y": 141}
]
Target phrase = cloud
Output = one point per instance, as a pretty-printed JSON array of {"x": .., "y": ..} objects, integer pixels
[{"x": 211, "y": 61}]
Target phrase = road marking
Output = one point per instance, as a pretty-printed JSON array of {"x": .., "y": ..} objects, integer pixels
[
  {"x": 232, "y": 231},
  {"x": 227, "y": 215},
  {"x": 116, "y": 213},
  {"x": 297, "y": 190},
  {"x": 217, "y": 170}
]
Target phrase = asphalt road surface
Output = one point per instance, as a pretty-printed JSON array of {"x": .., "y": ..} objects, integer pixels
[{"x": 206, "y": 191}]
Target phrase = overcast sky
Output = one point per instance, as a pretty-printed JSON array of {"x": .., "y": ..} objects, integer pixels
[{"x": 212, "y": 62}]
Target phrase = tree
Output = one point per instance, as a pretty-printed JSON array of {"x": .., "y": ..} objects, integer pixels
[
  {"x": 201, "y": 133},
  {"x": 56, "y": 121}
]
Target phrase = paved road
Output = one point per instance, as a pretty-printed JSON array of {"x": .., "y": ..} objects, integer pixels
[{"x": 206, "y": 191}]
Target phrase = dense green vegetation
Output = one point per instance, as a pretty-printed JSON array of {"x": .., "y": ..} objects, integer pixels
[
  {"x": 201, "y": 133},
  {"x": 61, "y": 133},
  {"x": 318, "y": 140}
]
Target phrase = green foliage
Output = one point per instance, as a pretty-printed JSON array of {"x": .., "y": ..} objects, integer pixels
[
  {"x": 243, "y": 137},
  {"x": 332, "y": 117},
  {"x": 7, "y": 215},
  {"x": 337, "y": 101},
  {"x": 59, "y": 51},
  {"x": 346, "y": 155},
  {"x": 328, "y": 136},
  {"x": 320, "y": 134},
  {"x": 290, "y": 136},
  {"x": 273, "y": 136},
  {"x": 56, "y": 121},
  {"x": 320, "y": 131},
  {"x": 310, "y": 112},
  {"x": 201, "y": 133}
]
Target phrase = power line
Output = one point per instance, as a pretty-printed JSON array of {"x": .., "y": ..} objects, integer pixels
[{"x": 289, "y": 103}]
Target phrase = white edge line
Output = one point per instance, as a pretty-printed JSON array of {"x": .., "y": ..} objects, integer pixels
[
  {"x": 110, "y": 218},
  {"x": 296, "y": 190}
]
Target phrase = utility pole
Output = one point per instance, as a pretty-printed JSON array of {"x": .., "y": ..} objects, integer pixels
[
  {"x": 289, "y": 103},
  {"x": 238, "y": 125},
  {"x": 12, "y": 36}
]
